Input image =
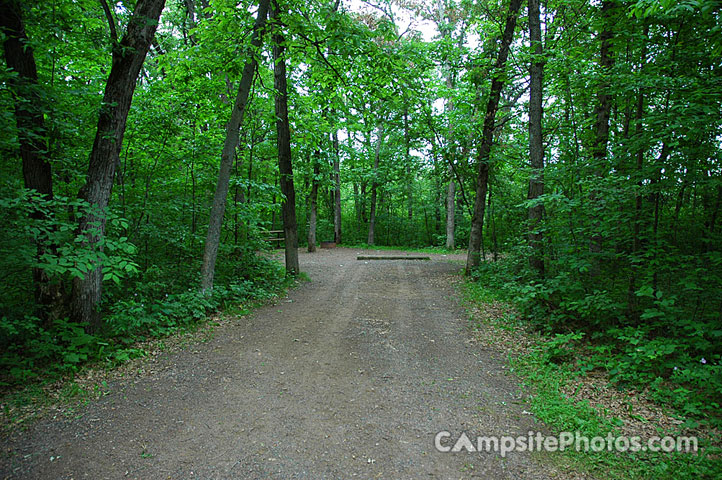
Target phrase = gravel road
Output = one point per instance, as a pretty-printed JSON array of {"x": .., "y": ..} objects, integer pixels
[{"x": 350, "y": 376}]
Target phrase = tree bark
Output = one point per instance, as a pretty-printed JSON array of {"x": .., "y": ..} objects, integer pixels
[
  {"x": 477, "y": 220},
  {"x": 357, "y": 203},
  {"x": 363, "y": 201},
  {"x": 19, "y": 56},
  {"x": 239, "y": 197},
  {"x": 536, "y": 148},
  {"x": 374, "y": 187},
  {"x": 438, "y": 201},
  {"x": 313, "y": 210},
  {"x": 37, "y": 173},
  {"x": 285, "y": 167},
  {"x": 712, "y": 222},
  {"x": 632, "y": 301},
  {"x": 492, "y": 225},
  {"x": 213, "y": 237},
  {"x": 409, "y": 172},
  {"x": 450, "y": 211},
  {"x": 603, "y": 112},
  {"x": 128, "y": 57},
  {"x": 446, "y": 26},
  {"x": 450, "y": 152},
  {"x": 337, "y": 189}
]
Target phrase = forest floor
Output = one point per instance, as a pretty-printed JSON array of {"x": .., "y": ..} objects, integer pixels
[{"x": 350, "y": 376}]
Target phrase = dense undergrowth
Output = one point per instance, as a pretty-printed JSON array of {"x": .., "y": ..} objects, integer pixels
[
  {"x": 672, "y": 351},
  {"x": 675, "y": 363},
  {"x": 156, "y": 304}
]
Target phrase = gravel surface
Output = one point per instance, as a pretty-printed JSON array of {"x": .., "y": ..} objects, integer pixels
[{"x": 350, "y": 376}]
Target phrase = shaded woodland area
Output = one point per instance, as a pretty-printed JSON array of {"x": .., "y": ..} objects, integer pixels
[{"x": 573, "y": 148}]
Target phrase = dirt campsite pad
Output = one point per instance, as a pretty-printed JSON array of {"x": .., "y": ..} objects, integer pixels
[{"x": 350, "y": 376}]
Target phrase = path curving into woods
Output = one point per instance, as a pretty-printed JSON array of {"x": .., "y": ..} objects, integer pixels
[{"x": 350, "y": 376}]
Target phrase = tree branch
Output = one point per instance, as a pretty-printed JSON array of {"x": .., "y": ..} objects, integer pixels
[{"x": 111, "y": 22}]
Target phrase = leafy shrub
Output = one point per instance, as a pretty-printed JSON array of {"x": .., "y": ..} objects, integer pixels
[
  {"x": 33, "y": 350},
  {"x": 674, "y": 347}
]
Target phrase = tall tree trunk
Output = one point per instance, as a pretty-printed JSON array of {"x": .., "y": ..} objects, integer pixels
[
  {"x": 285, "y": 168},
  {"x": 313, "y": 200},
  {"x": 374, "y": 187},
  {"x": 19, "y": 57},
  {"x": 194, "y": 215},
  {"x": 273, "y": 202},
  {"x": 492, "y": 225},
  {"x": 363, "y": 201},
  {"x": 536, "y": 148},
  {"x": 409, "y": 171},
  {"x": 450, "y": 211},
  {"x": 603, "y": 112},
  {"x": 37, "y": 174},
  {"x": 477, "y": 220},
  {"x": 356, "y": 196},
  {"x": 632, "y": 302},
  {"x": 712, "y": 222},
  {"x": 239, "y": 197},
  {"x": 337, "y": 189},
  {"x": 429, "y": 237},
  {"x": 438, "y": 200},
  {"x": 250, "y": 167},
  {"x": 128, "y": 57},
  {"x": 213, "y": 238},
  {"x": 444, "y": 24},
  {"x": 655, "y": 200},
  {"x": 191, "y": 21},
  {"x": 357, "y": 203}
]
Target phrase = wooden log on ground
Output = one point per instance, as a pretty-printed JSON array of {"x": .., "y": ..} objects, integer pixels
[{"x": 392, "y": 257}]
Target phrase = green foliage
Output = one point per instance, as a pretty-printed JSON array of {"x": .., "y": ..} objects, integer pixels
[
  {"x": 669, "y": 351},
  {"x": 33, "y": 350},
  {"x": 555, "y": 360},
  {"x": 561, "y": 347},
  {"x": 34, "y": 223},
  {"x": 563, "y": 414},
  {"x": 29, "y": 348}
]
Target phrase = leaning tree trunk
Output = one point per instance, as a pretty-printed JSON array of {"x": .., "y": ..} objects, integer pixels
[
  {"x": 213, "y": 237},
  {"x": 285, "y": 167},
  {"x": 477, "y": 220},
  {"x": 374, "y": 188},
  {"x": 20, "y": 58},
  {"x": 37, "y": 174},
  {"x": 536, "y": 148},
  {"x": 128, "y": 57}
]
